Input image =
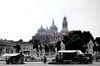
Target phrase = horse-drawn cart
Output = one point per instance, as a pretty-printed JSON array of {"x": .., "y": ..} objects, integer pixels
[{"x": 14, "y": 58}]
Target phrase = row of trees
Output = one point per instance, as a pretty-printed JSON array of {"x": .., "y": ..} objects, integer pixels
[{"x": 75, "y": 40}]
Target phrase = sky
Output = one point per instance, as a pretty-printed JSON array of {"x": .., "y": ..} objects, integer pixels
[{"x": 20, "y": 19}]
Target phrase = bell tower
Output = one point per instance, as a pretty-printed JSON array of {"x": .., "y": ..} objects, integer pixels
[{"x": 64, "y": 25}]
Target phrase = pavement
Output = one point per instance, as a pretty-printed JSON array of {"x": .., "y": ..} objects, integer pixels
[
  {"x": 2, "y": 63},
  {"x": 36, "y": 63}
]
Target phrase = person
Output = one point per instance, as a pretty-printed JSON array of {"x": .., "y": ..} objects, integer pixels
[
  {"x": 45, "y": 59},
  {"x": 56, "y": 59}
]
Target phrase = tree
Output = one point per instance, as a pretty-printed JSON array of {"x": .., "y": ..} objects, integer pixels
[
  {"x": 20, "y": 40},
  {"x": 17, "y": 48},
  {"x": 58, "y": 45},
  {"x": 76, "y": 40},
  {"x": 51, "y": 47},
  {"x": 87, "y": 36},
  {"x": 35, "y": 43},
  {"x": 97, "y": 44},
  {"x": 46, "y": 47}
]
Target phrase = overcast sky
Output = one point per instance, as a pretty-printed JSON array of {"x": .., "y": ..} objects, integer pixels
[{"x": 20, "y": 19}]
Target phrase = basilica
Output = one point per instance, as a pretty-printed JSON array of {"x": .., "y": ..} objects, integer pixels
[{"x": 51, "y": 35}]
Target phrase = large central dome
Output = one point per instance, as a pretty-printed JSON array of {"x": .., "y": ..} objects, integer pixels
[{"x": 53, "y": 27}]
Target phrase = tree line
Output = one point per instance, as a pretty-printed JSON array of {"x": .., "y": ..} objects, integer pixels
[{"x": 75, "y": 40}]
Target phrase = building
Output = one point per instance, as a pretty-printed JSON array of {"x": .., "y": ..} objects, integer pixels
[
  {"x": 51, "y": 35},
  {"x": 7, "y": 46},
  {"x": 26, "y": 48},
  {"x": 90, "y": 46}
]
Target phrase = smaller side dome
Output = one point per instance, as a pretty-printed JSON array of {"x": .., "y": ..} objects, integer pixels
[{"x": 41, "y": 30}]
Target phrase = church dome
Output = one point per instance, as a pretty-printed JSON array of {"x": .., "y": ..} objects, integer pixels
[
  {"x": 40, "y": 30},
  {"x": 53, "y": 27}
]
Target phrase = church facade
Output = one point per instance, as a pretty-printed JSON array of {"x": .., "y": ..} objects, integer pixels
[{"x": 51, "y": 35}]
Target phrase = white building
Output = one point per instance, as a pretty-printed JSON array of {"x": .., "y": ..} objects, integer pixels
[{"x": 90, "y": 47}]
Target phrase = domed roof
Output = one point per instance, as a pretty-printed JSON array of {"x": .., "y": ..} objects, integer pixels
[
  {"x": 53, "y": 27},
  {"x": 41, "y": 30}
]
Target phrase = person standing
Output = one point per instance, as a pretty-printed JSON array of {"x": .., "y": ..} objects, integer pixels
[{"x": 45, "y": 59}]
